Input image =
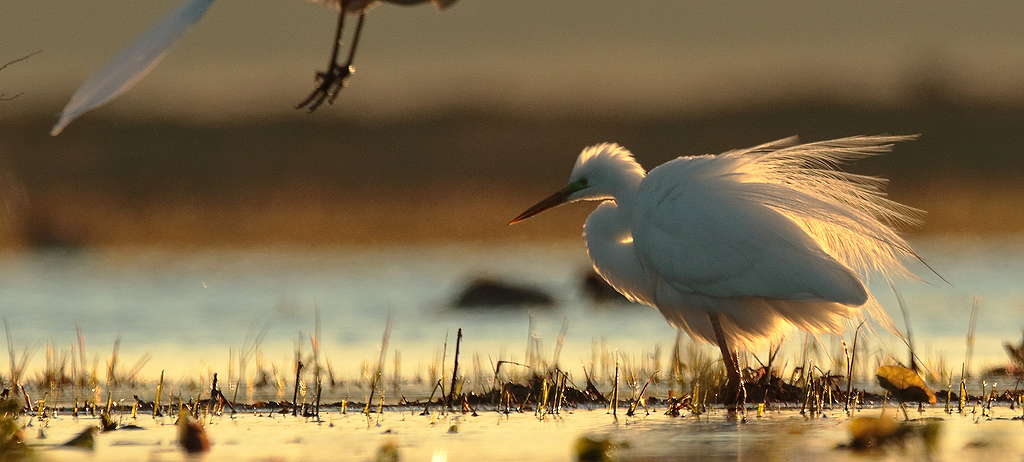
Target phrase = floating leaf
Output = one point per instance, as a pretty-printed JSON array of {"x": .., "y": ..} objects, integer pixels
[
  {"x": 191, "y": 435},
  {"x": 387, "y": 452},
  {"x": 868, "y": 432},
  {"x": 904, "y": 384},
  {"x": 879, "y": 432},
  {"x": 593, "y": 449}
]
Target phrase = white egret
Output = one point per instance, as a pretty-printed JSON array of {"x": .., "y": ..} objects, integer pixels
[
  {"x": 133, "y": 63},
  {"x": 741, "y": 246}
]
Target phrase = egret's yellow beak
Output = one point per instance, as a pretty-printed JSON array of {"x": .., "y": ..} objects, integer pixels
[{"x": 554, "y": 200}]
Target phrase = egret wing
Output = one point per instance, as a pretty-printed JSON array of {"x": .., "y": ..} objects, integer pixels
[
  {"x": 696, "y": 230},
  {"x": 132, "y": 64}
]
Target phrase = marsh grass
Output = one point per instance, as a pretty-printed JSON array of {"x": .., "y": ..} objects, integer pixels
[{"x": 68, "y": 381}]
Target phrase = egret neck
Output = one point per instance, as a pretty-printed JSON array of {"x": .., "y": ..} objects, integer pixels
[{"x": 609, "y": 237}]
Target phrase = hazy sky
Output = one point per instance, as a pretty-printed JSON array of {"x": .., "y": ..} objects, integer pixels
[{"x": 258, "y": 56}]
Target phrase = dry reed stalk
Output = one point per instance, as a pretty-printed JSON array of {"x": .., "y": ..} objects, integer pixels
[
  {"x": 615, "y": 391},
  {"x": 295, "y": 394},
  {"x": 560, "y": 342},
  {"x": 850, "y": 367},
  {"x": 963, "y": 390},
  {"x": 385, "y": 338},
  {"x": 640, "y": 397},
  {"x": 975, "y": 306},
  {"x": 455, "y": 371},
  {"x": 426, "y": 409},
  {"x": 213, "y": 395},
  {"x": 159, "y": 393}
]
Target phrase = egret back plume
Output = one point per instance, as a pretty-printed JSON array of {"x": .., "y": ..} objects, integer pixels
[{"x": 848, "y": 215}]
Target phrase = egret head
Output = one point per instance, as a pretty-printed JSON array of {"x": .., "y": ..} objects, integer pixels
[{"x": 601, "y": 172}]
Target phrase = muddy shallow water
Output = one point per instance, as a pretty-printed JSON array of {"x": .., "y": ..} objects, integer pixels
[
  {"x": 778, "y": 435},
  {"x": 191, "y": 314}
]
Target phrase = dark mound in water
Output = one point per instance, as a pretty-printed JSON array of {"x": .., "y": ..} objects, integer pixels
[
  {"x": 596, "y": 289},
  {"x": 489, "y": 293},
  {"x": 770, "y": 388}
]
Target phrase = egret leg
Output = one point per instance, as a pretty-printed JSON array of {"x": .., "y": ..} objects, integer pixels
[
  {"x": 331, "y": 80},
  {"x": 729, "y": 358},
  {"x": 348, "y": 70}
]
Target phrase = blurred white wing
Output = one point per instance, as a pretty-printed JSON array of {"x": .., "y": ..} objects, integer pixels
[{"x": 131, "y": 64}]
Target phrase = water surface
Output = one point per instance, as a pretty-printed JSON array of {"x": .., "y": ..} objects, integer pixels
[{"x": 190, "y": 309}]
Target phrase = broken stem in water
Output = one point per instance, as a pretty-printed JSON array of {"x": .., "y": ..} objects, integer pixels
[
  {"x": 380, "y": 365},
  {"x": 159, "y": 392},
  {"x": 970, "y": 335},
  {"x": 639, "y": 398},
  {"x": 615, "y": 391},
  {"x": 295, "y": 394},
  {"x": 849, "y": 368},
  {"x": 455, "y": 370},
  {"x": 211, "y": 406}
]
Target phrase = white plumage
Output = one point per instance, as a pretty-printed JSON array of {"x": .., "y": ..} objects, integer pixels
[
  {"x": 132, "y": 64},
  {"x": 766, "y": 238}
]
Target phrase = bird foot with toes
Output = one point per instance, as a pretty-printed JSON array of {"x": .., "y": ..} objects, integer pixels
[{"x": 329, "y": 84}]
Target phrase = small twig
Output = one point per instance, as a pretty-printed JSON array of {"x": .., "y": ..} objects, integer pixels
[
  {"x": 225, "y": 400},
  {"x": 560, "y": 342},
  {"x": 28, "y": 400},
  {"x": 632, "y": 408},
  {"x": 497, "y": 370},
  {"x": 18, "y": 60},
  {"x": 295, "y": 394},
  {"x": 615, "y": 392},
  {"x": 379, "y": 370},
  {"x": 849, "y": 369},
  {"x": 426, "y": 408},
  {"x": 212, "y": 407},
  {"x": 159, "y": 393},
  {"x": 592, "y": 389},
  {"x": 455, "y": 371},
  {"x": 909, "y": 339},
  {"x": 319, "y": 390},
  {"x": 975, "y": 305},
  {"x": 4, "y": 96}
]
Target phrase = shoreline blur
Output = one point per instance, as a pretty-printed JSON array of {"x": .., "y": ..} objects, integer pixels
[
  {"x": 453, "y": 175},
  {"x": 459, "y": 119}
]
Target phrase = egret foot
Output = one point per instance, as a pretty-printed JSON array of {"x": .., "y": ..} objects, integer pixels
[{"x": 329, "y": 84}]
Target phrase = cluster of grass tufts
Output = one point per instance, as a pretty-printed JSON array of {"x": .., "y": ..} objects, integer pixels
[{"x": 12, "y": 438}]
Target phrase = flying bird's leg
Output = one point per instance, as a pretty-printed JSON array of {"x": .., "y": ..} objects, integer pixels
[
  {"x": 348, "y": 70},
  {"x": 730, "y": 360},
  {"x": 333, "y": 76}
]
